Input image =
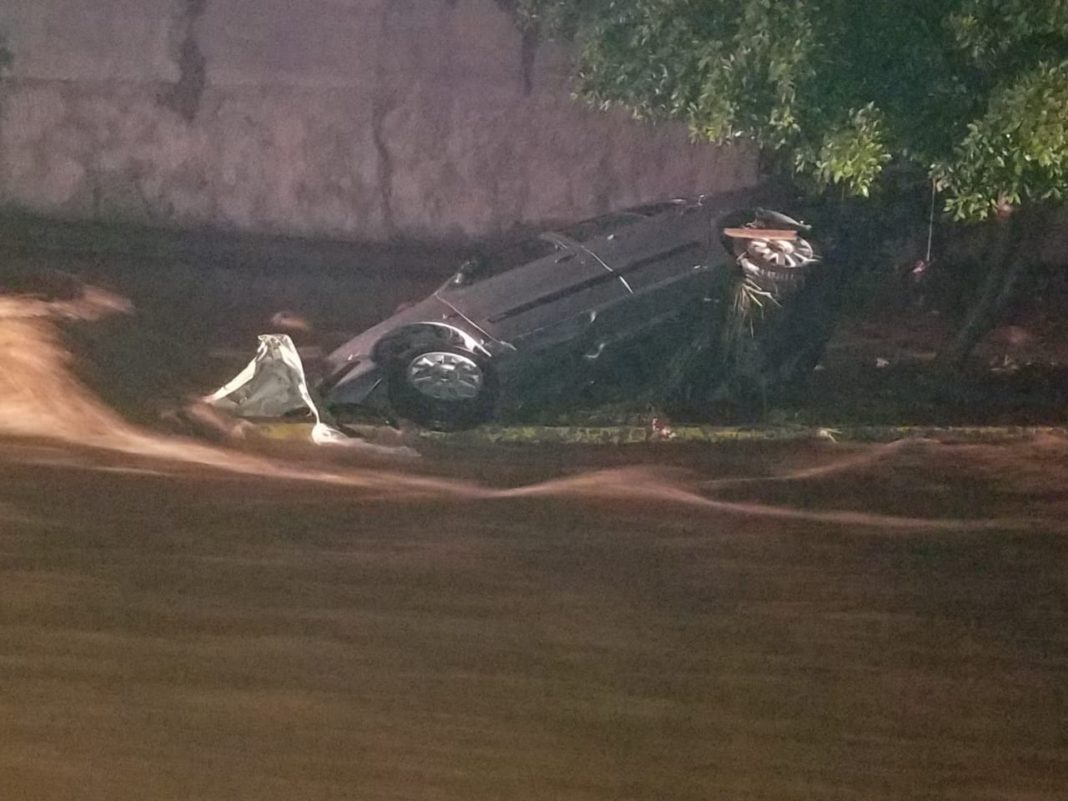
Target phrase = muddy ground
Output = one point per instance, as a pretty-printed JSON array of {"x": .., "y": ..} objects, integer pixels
[{"x": 188, "y": 619}]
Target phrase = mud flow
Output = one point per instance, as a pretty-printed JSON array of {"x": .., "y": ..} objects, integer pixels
[
  {"x": 45, "y": 398},
  {"x": 94, "y": 368},
  {"x": 187, "y": 611}
]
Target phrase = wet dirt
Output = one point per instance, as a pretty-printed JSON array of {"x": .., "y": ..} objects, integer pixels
[{"x": 181, "y": 618}]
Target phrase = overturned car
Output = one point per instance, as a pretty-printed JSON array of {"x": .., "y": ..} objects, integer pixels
[{"x": 552, "y": 309}]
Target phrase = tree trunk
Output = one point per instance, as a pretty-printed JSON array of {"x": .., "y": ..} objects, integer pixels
[{"x": 1007, "y": 264}]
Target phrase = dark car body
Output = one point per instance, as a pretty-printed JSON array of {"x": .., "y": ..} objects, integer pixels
[{"x": 581, "y": 290}]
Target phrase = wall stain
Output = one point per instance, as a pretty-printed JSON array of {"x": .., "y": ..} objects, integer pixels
[
  {"x": 382, "y": 103},
  {"x": 184, "y": 96},
  {"x": 528, "y": 56},
  {"x": 385, "y": 162}
]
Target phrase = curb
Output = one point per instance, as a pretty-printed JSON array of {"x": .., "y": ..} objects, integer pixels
[{"x": 700, "y": 434}]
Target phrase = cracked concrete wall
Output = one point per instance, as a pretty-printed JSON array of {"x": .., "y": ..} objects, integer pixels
[{"x": 359, "y": 119}]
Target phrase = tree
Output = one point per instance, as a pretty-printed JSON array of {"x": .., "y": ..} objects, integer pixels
[{"x": 971, "y": 95}]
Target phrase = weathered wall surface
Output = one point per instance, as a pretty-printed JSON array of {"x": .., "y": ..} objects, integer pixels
[{"x": 361, "y": 119}]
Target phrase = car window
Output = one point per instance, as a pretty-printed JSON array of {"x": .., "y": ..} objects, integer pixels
[{"x": 601, "y": 226}]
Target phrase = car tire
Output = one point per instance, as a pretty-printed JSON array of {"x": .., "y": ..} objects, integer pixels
[
  {"x": 442, "y": 387},
  {"x": 778, "y": 264}
]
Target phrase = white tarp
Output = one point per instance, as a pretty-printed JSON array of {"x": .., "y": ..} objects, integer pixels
[{"x": 273, "y": 385}]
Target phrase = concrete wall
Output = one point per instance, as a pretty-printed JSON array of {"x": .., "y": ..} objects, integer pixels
[{"x": 362, "y": 119}]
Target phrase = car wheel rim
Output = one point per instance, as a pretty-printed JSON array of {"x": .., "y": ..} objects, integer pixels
[
  {"x": 783, "y": 254},
  {"x": 445, "y": 376}
]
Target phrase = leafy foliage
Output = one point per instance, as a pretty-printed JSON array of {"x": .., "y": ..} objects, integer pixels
[{"x": 970, "y": 93}]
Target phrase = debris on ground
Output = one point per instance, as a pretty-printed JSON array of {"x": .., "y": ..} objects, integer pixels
[
  {"x": 273, "y": 385},
  {"x": 660, "y": 429}
]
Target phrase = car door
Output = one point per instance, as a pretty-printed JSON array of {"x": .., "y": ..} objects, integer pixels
[
  {"x": 540, "y": 293},
  {"x": 658, "y": 255},
  {"x": 661, "y": 258}
]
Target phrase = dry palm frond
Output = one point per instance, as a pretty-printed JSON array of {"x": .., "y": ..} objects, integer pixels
[{"x": 747, "y": 302}]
